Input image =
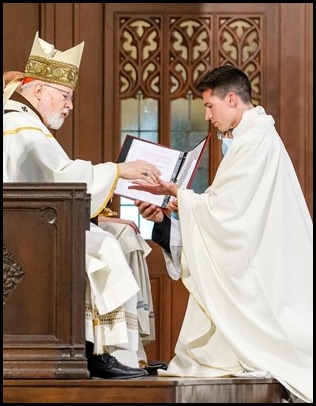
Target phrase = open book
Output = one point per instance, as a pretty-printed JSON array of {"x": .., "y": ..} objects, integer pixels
[{"x": 177, "y": 166}]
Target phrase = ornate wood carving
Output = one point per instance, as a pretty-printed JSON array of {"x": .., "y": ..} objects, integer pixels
[
  {"x": 12, "y": 273},
  {"x": 140, "y": 56},
  {"x": 194, "y": 45}
]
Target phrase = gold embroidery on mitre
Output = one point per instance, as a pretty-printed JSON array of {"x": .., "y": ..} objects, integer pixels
[
  {"x": 52, "y": 71},
  {"x": 50, "y": 65}
]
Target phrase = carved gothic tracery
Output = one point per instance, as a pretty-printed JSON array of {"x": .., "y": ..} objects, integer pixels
[{"x": 191, "y": 46}]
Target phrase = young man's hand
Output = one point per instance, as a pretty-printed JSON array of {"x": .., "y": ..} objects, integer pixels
[{"x": 160, "y": 188}]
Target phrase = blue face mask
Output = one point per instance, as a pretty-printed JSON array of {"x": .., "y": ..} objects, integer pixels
[{"x": 226, "y": 144}]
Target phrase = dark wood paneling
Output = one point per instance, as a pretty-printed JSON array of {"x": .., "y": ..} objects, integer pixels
[
  {"x": 20, "y": 23},
  {"x": 296, "y": 104},
  {"x": 43, "y": 314}
]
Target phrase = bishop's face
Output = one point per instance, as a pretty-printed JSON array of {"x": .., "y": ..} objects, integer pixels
[{"x": 55, "y": 105}]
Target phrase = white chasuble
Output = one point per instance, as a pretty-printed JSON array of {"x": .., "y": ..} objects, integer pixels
[{"x": 247, "y": 263}]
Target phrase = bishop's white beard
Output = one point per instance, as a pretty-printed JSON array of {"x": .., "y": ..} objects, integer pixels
[
  {"x": 55, "y": 121},
  {"x": 52, "y": 120}
]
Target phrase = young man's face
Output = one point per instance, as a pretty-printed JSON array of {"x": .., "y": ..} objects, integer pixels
[{"x": 221, "y": 112}]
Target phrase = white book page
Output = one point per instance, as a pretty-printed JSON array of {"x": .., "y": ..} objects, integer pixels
[
  {"x": 165, "y": 159},
  {"x": 189, "y": 165}
]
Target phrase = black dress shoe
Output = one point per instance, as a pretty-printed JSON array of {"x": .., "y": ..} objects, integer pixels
[
  {"x": 152, "y": 366},
  {"x": 108, "y": 367}
]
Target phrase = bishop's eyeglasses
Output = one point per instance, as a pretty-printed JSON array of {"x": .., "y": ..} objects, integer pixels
[{"x": 67, "y": 96}]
